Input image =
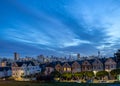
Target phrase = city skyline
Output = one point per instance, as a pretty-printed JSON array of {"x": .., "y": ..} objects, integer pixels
[{"x": 59, "y": 27}]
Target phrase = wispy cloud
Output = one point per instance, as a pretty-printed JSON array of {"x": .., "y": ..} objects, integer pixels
[
  {"x": 53, "y": 38},
  {"x": 62, "y": 26}
]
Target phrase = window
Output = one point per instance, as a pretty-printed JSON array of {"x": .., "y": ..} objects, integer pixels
[
  {"x": 64, "y": 69},
  {"x": 94, "y": 67},
  {"x": 106, "y": 66},
  {"x": 111, "y": 65},
  {"x": 68, "y": 69},
  {"x": 99, "y": 67},
  {"x": 114, "y": 66},
  {"x": 88, "y": 68}
]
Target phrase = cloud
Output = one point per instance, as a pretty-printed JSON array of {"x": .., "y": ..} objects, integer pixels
[
  {"x": 62, "y": 26},
  {"x": 75, "y": 42},
  {"x": 53, "y": 38}
]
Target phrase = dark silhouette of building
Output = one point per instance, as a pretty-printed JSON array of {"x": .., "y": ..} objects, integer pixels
[
  {"x": 78, "y": 56},
  {"x": 16, "y": 56},
  {"x": 98, "y": 54},
  {"x": 117, "y": 55}
]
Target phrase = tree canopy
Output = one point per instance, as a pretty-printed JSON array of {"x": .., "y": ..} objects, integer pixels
[
  {"x": 102, "y": 73},
  {"x": 115, "y": 72},
  {"x": 55, "y": 74},
  {"x": 67, "y": 75}
]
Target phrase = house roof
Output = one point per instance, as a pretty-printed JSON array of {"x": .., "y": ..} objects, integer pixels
[
  {"x": 26, "y": 63},
  {"x": 51, "y": 64},
  {"x": 111, "y": 58},
  {"x": 89, "y": 61},
  {"x": 70, "y": 63}
]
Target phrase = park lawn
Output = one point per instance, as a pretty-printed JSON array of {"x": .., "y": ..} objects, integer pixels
[{"x": 14, "y": 83}]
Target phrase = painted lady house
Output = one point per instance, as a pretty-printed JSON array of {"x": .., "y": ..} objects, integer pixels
[
  {"x": 5, "y": 72},
  {"x": 23, "y": 69}
]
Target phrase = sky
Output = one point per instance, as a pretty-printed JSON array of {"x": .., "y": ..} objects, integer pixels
[{"x": 59, "y": 27}]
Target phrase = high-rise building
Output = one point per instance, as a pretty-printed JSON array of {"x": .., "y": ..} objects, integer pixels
[
  {"x": 41, "y": 58},
  {"x": 98, "y": 54},
  {"x": 78, "y": 56},
  {"x": 16, "y": 56}
]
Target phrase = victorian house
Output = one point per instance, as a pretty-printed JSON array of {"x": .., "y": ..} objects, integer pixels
[
  {"x": 67, "y": 67},
  {"x": 58, "y": 67},
  {"x": 98, "y": 65},
  {"x": 23, "y": 69},
  {"x": 76, "y": 67},
  {"x": 50, "y": 67},
  {"x": 110, "y": 64},
  {"x": 86, "y": 65},
  {"x": 5, "y": 72}
]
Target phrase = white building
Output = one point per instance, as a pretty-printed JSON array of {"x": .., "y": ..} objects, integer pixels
[
  {"x": 22, "y": 69},
  {"x": 5, "y": 72}
]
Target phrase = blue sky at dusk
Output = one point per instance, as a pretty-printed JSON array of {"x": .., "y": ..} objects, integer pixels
[{"x": 59, "y": 27}]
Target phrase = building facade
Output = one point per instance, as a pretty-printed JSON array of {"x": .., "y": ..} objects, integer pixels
[
  {"x": 86, "y": 66},
  {"x": 76, "y": 67},
  {"x": 22, "y": 69},
  {"x": 5, "y": 72},
  {"x": 97, "y": 65},
  {"x": 110, "y": 64}
]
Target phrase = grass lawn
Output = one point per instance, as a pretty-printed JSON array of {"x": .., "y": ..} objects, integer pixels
[{"x": 14, "y": 83}]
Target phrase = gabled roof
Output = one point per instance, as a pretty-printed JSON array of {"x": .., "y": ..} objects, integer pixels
[
  {"x": 98, "y": 60},
  {"x": 70, "y": 63},
  {"x": 80, "y": 62},
  {"x": 111, "y": 59},
  {"x": 27, "y": 63},
  {"x": 51, "y": 65},
  {"x": 89, "y": 61}
]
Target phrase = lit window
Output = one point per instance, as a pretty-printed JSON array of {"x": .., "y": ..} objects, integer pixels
[
  {"x": 68, "y": 69},
  {"x": 64, "y": 69}
]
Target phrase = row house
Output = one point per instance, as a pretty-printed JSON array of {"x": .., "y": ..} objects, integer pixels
[
  {"x": 87, "y": 65},
  {"x": 98, "y": 65},
  {"x": 5, "y": 72},
  {"x": 49, "y": 68},
  {"x": 110, "y": 64},
  {"x": 67, "y": 67},
  {"x": 76, "y": 67},
  {"x": 22, "y": 69},
  {"x": 58, "y": 67}
]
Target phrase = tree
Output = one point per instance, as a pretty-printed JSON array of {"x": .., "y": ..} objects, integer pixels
[
  {"x": 89, "y": 74},
  {"x": 102, "y": 74},
  {"x": 115, "y": 72},
  {"x": 67, "y": 76},
  {"x": 78, "y": 75},
  {"x": 55, "y": 74}
]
